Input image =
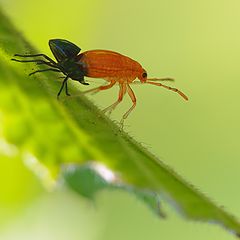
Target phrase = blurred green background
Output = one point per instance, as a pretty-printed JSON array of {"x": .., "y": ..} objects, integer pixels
[{"x": 197, "y": 43}]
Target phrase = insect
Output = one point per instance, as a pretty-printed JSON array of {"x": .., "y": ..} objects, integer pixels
[{"x": 108, "y": 65}]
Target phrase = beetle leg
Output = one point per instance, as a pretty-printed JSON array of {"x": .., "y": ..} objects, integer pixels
[
  {"x": 120, "y": 97},
  {"x": 63, "y": 83},
  {"x": 47, "y": 63},
  {"x": 169, "y": 88},
  {"x": 134, "y": 101},
  {"x": 37, "y": 61},
  {"x": 121, "y": 94},
  {"x": 66, "y": 89},
  {"x": 97, "y": 89},
  {"x": 35, "y": 55},
  {"x": 44, "y": 70}
]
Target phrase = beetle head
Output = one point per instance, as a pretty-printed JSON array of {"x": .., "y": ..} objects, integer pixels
[
  {"x": 63, "y": 49},
  {"x": 143, "y": 76}
]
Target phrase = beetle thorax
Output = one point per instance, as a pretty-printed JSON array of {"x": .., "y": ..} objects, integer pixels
[{"x": 72, "y": 69}]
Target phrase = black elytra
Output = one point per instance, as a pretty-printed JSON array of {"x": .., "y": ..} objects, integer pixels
[{"x": 66, "y": 54}]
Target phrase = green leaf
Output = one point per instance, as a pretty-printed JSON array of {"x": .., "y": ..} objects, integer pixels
[
  {"x": 49, "y": 134},
  {"x": 90, "y": 178}
]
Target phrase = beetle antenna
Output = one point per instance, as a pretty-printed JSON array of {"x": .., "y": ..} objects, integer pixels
[
  {"x": 161, "y": 79},
  {"x": 169, "y": 88}
]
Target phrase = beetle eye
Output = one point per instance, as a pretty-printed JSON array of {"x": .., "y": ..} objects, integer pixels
[{"x": 144, "y": 75}]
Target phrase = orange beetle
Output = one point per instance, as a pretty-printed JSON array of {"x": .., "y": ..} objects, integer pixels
[
  {"x": 117, "y": 68},
  {"x": 108, "y": 65}
]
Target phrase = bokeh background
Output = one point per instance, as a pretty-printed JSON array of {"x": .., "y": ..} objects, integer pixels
[{"x": 197, "y": 43}]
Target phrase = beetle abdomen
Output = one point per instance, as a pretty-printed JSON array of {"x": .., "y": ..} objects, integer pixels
[{"x": 108, "y": 64}]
